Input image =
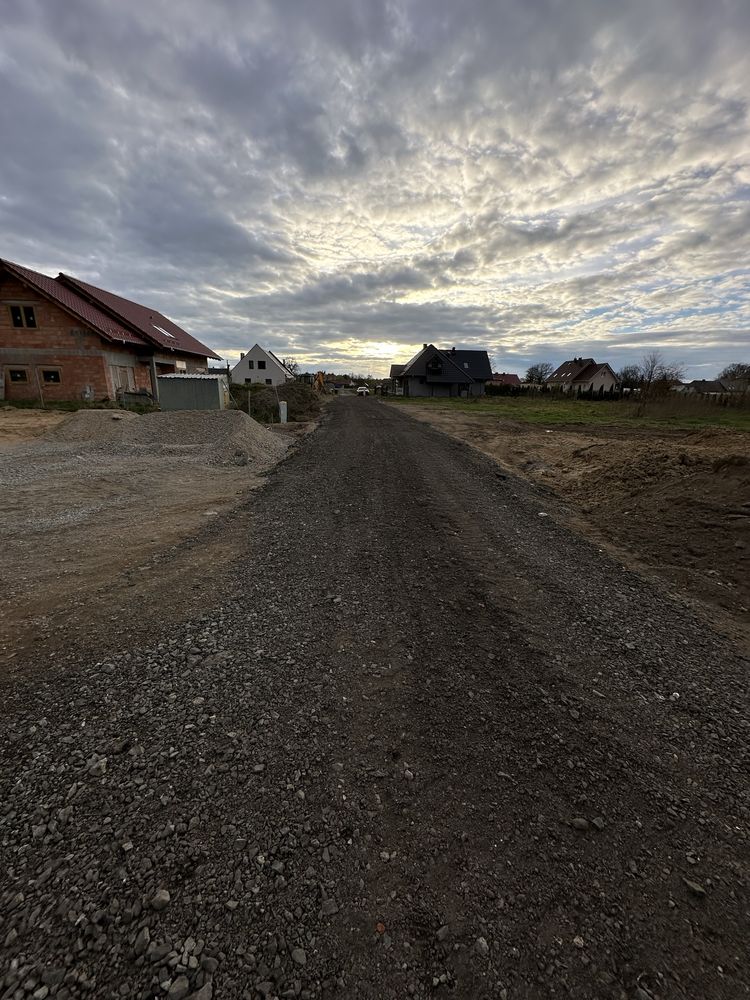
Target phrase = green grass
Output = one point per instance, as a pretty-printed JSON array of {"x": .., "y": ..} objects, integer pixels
[{"x": 680, "y": 413}]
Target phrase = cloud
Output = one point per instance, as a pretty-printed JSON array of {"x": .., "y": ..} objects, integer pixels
[{"x": 340, "y": 178}]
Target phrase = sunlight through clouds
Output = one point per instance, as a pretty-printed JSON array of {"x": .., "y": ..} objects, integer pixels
[{"x": 344, "y": 182}]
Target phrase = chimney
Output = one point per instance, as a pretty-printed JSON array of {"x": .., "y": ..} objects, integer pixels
[
  {"x": 242, "y": 355},
  {"x": 453, "y": 350},
  {"x": 424, "y": 347}
]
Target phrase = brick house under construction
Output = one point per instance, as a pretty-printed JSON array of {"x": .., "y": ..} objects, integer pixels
[{"x": 63, "y": 339}]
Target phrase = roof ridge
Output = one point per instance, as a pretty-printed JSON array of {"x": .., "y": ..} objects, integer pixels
[
  {"x": 66, "y": 280},
  {"x": 90, "y": 314},
  {"x": 133, "y": 314},
  {"x": 277, "y": 360}
]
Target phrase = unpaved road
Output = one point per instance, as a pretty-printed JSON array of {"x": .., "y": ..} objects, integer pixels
[
  {"x": 673, "y": 503},
  {"x": 421, "y": 742}
]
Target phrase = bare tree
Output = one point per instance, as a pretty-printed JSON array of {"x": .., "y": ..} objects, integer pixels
[
  {"x": 291, "y": 365},
  {"x": 658, "y": 374},
  {"x": 629, "y": 376},
  {"x": 739, "y": 371},
  {"x": 648, "y": 367},
  {"x": 539, "y": 372}
]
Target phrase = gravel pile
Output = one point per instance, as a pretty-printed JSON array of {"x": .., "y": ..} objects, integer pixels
[
  {"x": 214, "y": 436},
  {"x": 97, "y": 426}
]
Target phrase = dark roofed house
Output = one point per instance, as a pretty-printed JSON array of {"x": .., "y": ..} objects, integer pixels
[
  {"x": 584, "y": 374},
  {"x": 716, "y": 387},
  {"x": 435, "y": 372},
  {"x": 63, "y": 339}
]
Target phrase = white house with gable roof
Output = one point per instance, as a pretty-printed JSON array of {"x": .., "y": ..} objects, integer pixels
[{"x": 260, "y": 366}]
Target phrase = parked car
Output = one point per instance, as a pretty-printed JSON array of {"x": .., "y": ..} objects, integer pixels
[{"x": 362, "y": 390}]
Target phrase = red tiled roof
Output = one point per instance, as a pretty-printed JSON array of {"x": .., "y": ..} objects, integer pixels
[
  {"x": 150, "y": 323},
  {"x": 506, "y": 378},
  {"x": 89, "y": 314}
]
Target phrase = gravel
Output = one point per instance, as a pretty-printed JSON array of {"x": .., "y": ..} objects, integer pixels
[
  {"x": 213, "y": 437},
  {"x": 257, "y": 755}
]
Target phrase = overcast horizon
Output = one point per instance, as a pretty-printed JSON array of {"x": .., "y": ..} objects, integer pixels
[{"x": 344, "y": 180}]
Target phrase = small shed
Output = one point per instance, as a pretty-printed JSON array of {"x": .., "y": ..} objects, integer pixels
[{"x": 193, "y": 391}]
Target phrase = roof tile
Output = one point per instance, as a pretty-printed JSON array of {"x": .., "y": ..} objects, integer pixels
[
  {"x": 73, "y": 303},
  {"x": 150, "y": 323}
]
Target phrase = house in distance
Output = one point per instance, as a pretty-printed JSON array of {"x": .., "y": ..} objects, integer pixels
[
  {"x": 260, "y": 366},
  {"x": 434, "y": 372},
  {"x": 584, "y": 374},
  {"x": 506, "y": 378}
]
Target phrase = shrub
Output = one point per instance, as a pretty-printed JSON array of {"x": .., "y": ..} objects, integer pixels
[{"x": 261, "y": 402}]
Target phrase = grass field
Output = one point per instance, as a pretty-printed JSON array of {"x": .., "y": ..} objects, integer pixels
[{"x": 679, "y": 413}]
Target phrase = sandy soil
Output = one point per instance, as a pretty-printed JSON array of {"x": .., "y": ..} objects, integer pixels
[
  {"x": 85, "y": 535},
  {"x": 18, "y": 426},
  {"x": 671, "y": 503}
]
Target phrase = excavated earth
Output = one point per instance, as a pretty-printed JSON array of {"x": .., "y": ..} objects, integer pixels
[
  {"x": 413, "y": 739},
  {"x": 672, "y": 502}
]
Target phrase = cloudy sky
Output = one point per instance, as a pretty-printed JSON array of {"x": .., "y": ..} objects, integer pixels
[{"x": 343, "y": 180}]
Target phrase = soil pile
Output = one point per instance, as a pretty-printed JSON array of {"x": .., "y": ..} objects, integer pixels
[
  {"x": 20, "y": 425},
  {"x": 685, "y": 509},
  {"x": 217, "y": 437}
]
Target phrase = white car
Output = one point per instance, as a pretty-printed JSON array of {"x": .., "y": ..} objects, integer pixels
[{"x": 362, "y": 390}]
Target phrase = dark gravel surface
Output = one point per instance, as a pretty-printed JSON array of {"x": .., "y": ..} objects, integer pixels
[{"x": 424, "y": 742}]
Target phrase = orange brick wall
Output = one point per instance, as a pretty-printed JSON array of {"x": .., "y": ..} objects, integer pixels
[{"x": 59, "y": 341}]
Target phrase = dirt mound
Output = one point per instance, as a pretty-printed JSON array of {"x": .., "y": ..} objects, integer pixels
[
  {"x": 731, "y": 462},
  {"x": 217, "y": 437},
  {"x": 511, "y": 425},
  {"x": 689, "y": 519},
  {"x": 18, "y": 426}
]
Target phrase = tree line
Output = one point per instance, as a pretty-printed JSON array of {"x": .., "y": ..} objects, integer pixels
[{"x": 651, "y": 373}]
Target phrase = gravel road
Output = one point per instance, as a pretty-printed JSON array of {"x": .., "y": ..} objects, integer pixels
[{"x": 421, "y": 741}]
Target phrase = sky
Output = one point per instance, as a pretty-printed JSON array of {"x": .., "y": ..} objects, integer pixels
[{"x": 345, "y": 180}]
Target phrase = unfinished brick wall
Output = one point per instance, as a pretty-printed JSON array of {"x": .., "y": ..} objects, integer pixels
[
  {"x": 51, "y": 346},
  {"x": 58, "y": 343}
]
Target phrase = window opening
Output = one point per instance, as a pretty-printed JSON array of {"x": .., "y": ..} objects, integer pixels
[{"x": 23, "y": 316}]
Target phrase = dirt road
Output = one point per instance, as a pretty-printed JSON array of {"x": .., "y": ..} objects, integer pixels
[
  {"x": 423, "y": 741},
  {"x": 674, "y": 503}
]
